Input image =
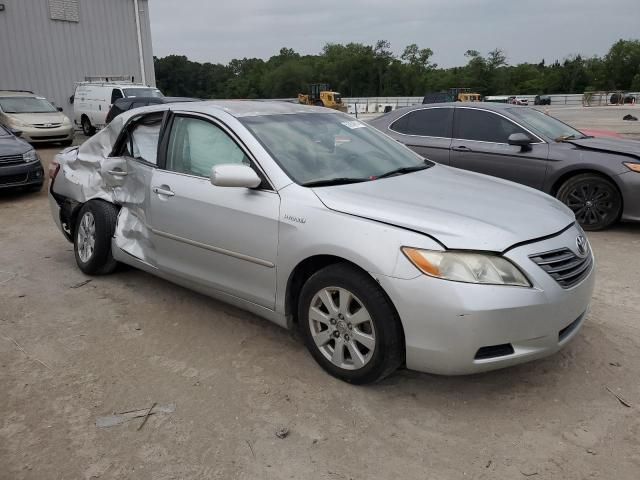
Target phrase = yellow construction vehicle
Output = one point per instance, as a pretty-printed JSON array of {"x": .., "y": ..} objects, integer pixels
[{"x": 321, "y": 95}]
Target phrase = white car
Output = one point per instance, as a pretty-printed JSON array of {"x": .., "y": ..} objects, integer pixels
[{"x": 93, "y": 100}]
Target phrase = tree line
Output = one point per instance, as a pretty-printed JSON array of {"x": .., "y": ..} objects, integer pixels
[{"x": 358, "y": 70}]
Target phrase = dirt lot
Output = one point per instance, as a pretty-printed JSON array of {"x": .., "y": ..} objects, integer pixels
[{"x": 70, "y": 353}]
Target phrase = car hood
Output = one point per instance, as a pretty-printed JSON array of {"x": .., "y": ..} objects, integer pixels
[
  {"x": 621, "y": 146},
  {"x": 10, "y": 145},
  {"x": 460, "y": 209},
  {"x": 33, "y": 118}
]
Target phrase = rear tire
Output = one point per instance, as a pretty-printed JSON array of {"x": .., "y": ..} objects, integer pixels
[
  {"x": 92, "y": 236},
  {"x": 349, "y": 325},
  {"x": 594, "y": 199},
  {"x": 87, "y": 128}
]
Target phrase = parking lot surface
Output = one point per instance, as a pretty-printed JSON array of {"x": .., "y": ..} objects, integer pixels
[{"x": 250, "y": 403}]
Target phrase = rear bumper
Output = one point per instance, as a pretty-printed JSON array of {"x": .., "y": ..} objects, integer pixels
[
  {"x": 25, "y": 175},
  {"x": 457, "y": 328},
  {"x": 42, "y": 135},
  {"x": 629, "y": 184}
]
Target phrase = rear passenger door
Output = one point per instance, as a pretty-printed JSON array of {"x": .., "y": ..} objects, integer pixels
[
  {"x": 480, "y": 144},
  {"x": 427, "y": 131},
  {"x": 128, "y": 171}
]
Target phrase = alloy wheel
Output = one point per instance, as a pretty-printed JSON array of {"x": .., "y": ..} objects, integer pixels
[
  {"x": 592, "y": 203},
  {"x": 342, "y": 328},
  {"x": 86, "y": 237}
]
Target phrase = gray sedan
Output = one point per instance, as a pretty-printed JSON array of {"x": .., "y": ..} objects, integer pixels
[
  {"x": 316, "y": 221},
  {"x": 598, "y": 178}
]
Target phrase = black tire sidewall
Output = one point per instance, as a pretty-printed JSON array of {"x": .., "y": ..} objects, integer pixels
[
  {"x": 389, "y": 349},
  {"x": 105, "y": 227},
  {"x": 587, "y": 178}
]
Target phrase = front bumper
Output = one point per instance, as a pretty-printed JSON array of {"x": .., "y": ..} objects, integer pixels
[
  {"x": 629, "y": 184},
  {"x": 21, "y": 175},
  {"x": 63, "y": 133},
  {"x": 446, "y": 324}
]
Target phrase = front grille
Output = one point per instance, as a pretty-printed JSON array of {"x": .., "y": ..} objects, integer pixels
[
  {"x": 10, "y": 179},
  {"x": 48, "y": 125},
  {"x": 566, "y": 268},
  {"x": 11, "y": 159}
]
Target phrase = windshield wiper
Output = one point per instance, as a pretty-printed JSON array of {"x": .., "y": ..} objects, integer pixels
[
  {"x": 401, "y": 170},
  {"x": 334, "y": 181}
]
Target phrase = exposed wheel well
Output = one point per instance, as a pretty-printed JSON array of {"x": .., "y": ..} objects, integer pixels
[{"x": 301, "y": 274}]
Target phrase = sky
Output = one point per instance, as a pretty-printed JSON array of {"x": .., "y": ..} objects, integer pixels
[{"x": 219, "y": 30}]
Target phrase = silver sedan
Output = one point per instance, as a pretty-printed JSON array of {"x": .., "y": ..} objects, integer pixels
[{"x": 313, "y": 220}]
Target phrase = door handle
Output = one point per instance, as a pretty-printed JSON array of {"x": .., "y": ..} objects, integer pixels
[
  {"x": 461, "y": 148},
  {"x": 117, "y": 173},
  {"x": 163, "y": 191}
]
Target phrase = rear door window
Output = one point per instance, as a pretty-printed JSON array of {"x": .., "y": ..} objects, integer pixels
[
  {"x": 427, "y": 122},
  {"x": 483, "y": 126},
  {"x": 142, "y": 139}
]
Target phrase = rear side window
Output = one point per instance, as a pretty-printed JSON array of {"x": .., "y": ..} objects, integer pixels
[
  {"x": 428, "y": 122},
  {"x": 196, "y": 146},
  {"x": 142, "y": 141},
  {"x": 483, "y": 126},
  {"x": 116, "y": 94}
]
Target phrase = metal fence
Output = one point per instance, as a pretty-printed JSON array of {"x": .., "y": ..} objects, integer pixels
[{"x": 357, "y": 105}]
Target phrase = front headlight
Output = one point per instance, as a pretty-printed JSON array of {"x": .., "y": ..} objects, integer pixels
[
  {"x": 14, "y": 122},
  {"x": 30, "y": 156},
  {"x": 467, "y": 267}
]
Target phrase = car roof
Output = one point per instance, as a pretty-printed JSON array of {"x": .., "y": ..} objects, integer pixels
[
  {"x": 484, "y": 105},
  {"x": 17, "y": 93},
  {"x": 252, "y": 108}
]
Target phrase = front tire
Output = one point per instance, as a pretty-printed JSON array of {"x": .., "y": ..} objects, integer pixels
[
  {"x": 595, "y": 200},
  {"x": 92, "y": 237},
  {"x": 349, "y": 325}
]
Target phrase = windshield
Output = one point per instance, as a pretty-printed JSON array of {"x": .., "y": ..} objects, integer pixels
[
  {"x": 545, "y": 124},
  {"x": 142, "y": 92},
  {"x": 317, "y": 147},
  {"x": 26, "y": 105}
]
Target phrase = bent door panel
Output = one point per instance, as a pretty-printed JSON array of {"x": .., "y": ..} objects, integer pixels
[{"x": 225, "y": 238}]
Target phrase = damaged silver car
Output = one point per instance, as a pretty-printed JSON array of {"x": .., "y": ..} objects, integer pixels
[{"x": 312, "y": 219}]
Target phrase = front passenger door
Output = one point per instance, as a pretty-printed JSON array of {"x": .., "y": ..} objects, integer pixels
[
  {"x": 480, "y": 144},
  {"x": 224, "y": 238}
]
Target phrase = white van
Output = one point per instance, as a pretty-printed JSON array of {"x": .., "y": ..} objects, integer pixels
[{"x": 93, "y": 100}]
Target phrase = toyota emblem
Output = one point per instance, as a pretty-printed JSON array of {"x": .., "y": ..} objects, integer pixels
[{"x": 583, "y": 246}]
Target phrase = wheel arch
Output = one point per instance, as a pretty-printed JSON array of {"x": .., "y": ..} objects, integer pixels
[
  {"x": 304, "y": 270},
  {"x": 572, "y": 173}
]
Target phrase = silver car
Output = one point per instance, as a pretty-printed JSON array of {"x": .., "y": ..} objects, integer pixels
[{"x": 314, "y": 220}]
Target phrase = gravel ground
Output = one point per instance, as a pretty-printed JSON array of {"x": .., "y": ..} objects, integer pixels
[{"x": 71, "y": 352}]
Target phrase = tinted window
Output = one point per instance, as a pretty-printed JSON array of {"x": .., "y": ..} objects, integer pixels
[
  {"x": 483, "y": 126},
  {"x": 430, "y": 122},
  {"x": 196, "y": 146},
  {"x": 116, "y": 94}
]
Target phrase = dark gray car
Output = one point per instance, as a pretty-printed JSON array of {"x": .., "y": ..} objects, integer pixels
[{"x": 598, "y": 178}]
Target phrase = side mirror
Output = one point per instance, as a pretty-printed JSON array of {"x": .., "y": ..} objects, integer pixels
[
  {"x": 60, "y": 109},
  {"x": 16, "y": 133},
  {"x": 234, "y": 175},
  {"x": 521, "y": 140}
]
